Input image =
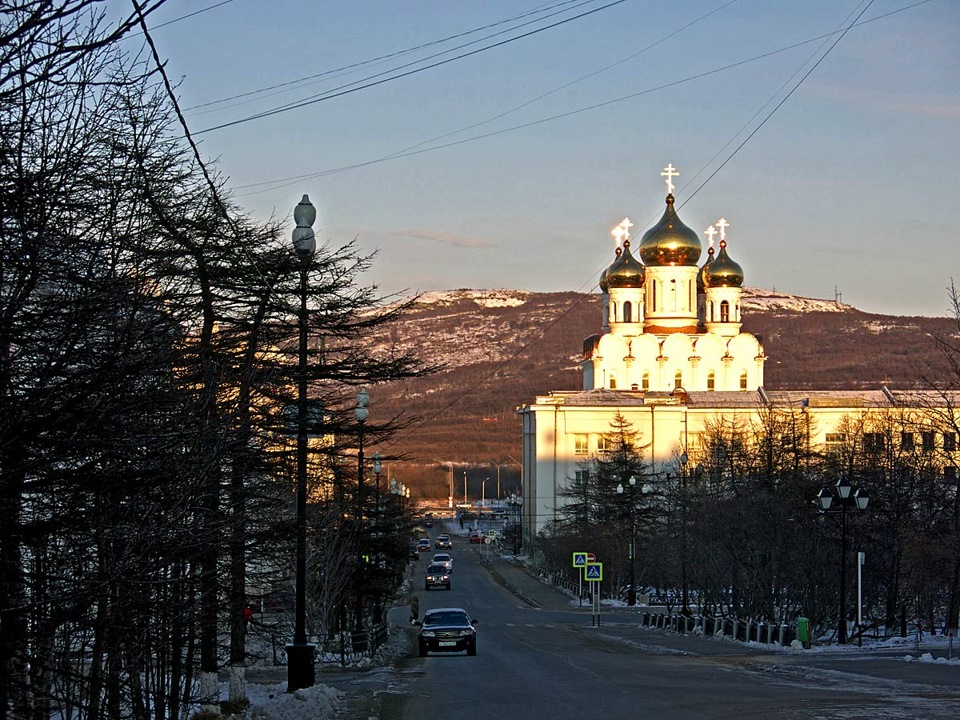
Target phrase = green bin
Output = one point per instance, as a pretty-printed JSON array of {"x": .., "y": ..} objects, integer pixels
[{"x": 803, "y": 631}]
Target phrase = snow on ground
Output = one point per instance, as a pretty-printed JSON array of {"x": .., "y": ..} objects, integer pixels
[{"x": 273, "y": 702}]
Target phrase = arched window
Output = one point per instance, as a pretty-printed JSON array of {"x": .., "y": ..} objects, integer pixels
[
  {"x": 678, "y": 380},
  {"x": 653, "y": 295},
  {"x": 711, "y": 311},
  {"x": 613, "y": 380},
  {"x": 672, "y": 303},
  {"x": 645, "y": 382},
  {"x": 613, "y": 311},
  {"x": 743, "y": 380},
  {"x": 627, "y": 312},
  {"x": 724, "y": 311},
  {"x": 711, "y": 381}
]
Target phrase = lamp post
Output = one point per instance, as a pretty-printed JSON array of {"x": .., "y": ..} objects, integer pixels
[
  {"x": 836, "y": 500},
  {"x": 683, "y": 552},
  {"x": 300, "y": 667},
  {"x": 515, "y": 502},
  {"x": 632, "y": 592},
  {"x": 464, "y": 487},
  {"x": 361, "y": 412}
]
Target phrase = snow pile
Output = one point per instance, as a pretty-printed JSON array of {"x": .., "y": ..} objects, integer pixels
[
  {"x": 929, "y": 658},
  {"x": 273, "y": 702}
]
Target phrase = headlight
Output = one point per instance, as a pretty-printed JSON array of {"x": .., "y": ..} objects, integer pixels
[
  {"x": 428, "y": 633},
  {"x": 466, "y": 633}
]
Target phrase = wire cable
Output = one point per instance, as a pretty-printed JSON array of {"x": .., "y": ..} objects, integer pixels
[{"x": 331, "y": 95}]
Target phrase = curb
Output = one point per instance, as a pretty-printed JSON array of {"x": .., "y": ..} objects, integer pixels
[{"x": 506, "y": 584}]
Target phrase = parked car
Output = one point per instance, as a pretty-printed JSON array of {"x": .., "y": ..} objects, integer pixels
[
  {"x": 475, "y": 538},
  {"x": 437, "y": 576},
  {"x": 443, "y": 559},
  {"x": 423, "y": 544},
  {"x": 443, "y": 542},
  {"x": 447, "y": 630}
]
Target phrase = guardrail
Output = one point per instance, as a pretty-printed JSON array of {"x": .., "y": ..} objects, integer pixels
[{"x": 717, "y": 626}]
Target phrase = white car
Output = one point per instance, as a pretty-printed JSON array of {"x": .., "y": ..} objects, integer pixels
[{"x": 443, "y": 559}]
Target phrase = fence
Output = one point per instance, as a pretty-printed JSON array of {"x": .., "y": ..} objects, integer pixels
[
  {"x": 345, "y": 648},
  {"x": 718, "y": 626}
]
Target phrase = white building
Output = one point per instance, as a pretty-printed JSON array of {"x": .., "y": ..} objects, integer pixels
[{"x": 671, "y": 359}]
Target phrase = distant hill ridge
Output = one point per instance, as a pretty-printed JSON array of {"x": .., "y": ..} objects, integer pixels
[{"x": 501, "y": 348}]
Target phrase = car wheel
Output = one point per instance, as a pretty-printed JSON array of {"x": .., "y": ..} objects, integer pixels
[
  {"x": 448, "y": 586},
  {"x": 423, "y": 649},
  {"x": 472, "y": 648},
  {"x": 426, "y": 586}
]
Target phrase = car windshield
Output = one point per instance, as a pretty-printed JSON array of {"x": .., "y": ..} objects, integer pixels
[
  {"x": 447, "y": 617},
  {"x": 436, "y": 569}
]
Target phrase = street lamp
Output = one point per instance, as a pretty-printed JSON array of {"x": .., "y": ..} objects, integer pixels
[
  {"x": 836, "y": 500},
  {"x": 632, "y": 592},
  {"x": 300, "y": 667},
  {"x": 361, "y": 412},
  {"x": 515, "y": 502},
  {"x": 683, "y": 552}
]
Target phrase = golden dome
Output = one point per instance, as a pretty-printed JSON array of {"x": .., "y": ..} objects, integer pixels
[
  {"x": 722, "y": 272},
  {"x": 700, "y": 286},
  {"x": 670, "y": 242},
  {"x": 626, "y": 271}
]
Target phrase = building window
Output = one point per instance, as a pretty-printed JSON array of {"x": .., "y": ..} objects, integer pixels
[
  {"x": 582, "y": 475},
  {"x": 711, "y": 312},
  {"x": 604, "y": 445},
  {"x": 928, "y": 443},
  {"x": 678, "y": 380},
  {"x": 950, "y": 441},
  {"x": 711, "y": 381},
  {"x": 653, "y": 295},
  {"x": 724, "y": 311},
  {"x": 627, "y": 312},
  {"x": 836, "y": 438},
  {"x": 950, "y": 473},
  {"x": 673, "y": 295},
  {"x": 874, "y": 442},
  {"x": 613, "y": 312},
  {"x": 613, "y": 380},
  {"x": 906, "y": 441},
  {"x": 743, "y": 380},
  {"x": 645, "y": 382},
  {"x": 580, "y": 444}
]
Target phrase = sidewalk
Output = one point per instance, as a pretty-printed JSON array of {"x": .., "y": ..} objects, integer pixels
[{"x": 514, "y": 577}]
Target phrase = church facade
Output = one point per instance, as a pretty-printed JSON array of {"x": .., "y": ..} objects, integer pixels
[{"x": 671, "y": 360}]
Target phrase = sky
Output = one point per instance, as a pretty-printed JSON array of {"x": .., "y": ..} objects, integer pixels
[{"x": 849, "y": 189}]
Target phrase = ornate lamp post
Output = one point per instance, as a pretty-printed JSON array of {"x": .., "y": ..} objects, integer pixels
[
  {"x": 300, "y": 667},
  {"x": 361, "y": 412},
  {"x": 683, "y": 552},
  {"x": 836, "y": 500},
  {"x": 632, "y": 592}
]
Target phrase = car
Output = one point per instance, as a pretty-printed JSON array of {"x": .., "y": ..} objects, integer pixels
[
  {"x": 423, "y": 544},
  {"x": 414, "y": 552},
  {"x": 443, "y": 559},
  {"x": 443, "y": 542},
  {"x": 437, "y": 576},
  {"x": 447, "y": 630},
  {"x": 476, "y": 538}
]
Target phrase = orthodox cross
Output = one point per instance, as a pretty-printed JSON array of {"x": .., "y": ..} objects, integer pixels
[
  {"x": 710, "y": 232},
  {"x": 670, "y": 172},
  {"x": 723, "y": 225},
  {"x": 626, "y": 225},
  {"x": 618, "y": 233}
]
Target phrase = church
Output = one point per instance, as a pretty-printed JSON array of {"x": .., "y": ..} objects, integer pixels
[{"x": 671, "y": 359}]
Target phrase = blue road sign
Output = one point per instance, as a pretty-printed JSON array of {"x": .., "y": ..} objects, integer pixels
[
  {"x": 580, "y": 559},
  {"x": 594, "y": 571}
]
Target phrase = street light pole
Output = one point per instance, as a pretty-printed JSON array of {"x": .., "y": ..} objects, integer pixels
[
  {"x": 300, "y": 655},
  {"x": 683, "y": 552},
  {"x": 361, "y": 412},
  {"x": 632, "y": 591},
  {"x": 837, "y": 500}
]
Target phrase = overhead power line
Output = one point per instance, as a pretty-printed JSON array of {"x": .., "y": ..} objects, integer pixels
[
  {"x": 382, "y": 58},
  {"x": 335, "y": 94}
]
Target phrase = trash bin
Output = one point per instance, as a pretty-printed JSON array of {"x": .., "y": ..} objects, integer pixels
[{"x": 803, "y": 631}]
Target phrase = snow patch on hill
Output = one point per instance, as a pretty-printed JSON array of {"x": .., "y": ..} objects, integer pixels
[
  {"x": 771, "y": 300},
  {"x": 483, "y": 298}
]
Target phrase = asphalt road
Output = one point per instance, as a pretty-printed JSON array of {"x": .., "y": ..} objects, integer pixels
[{"x": 554, "y": 665}]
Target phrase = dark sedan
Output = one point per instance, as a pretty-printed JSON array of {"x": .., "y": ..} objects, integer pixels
[{"x": 447, "y": 630}]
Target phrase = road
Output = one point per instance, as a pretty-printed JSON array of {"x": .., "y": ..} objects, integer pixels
[{"x": 554, "y": 665}]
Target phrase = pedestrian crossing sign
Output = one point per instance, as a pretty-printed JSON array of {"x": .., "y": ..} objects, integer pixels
[
  {"x": 594, "y": 571},
  {"x": 580, "y": 559}
]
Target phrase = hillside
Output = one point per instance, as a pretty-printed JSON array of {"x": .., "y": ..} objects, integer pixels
[{"x": 501, "y": 348}]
